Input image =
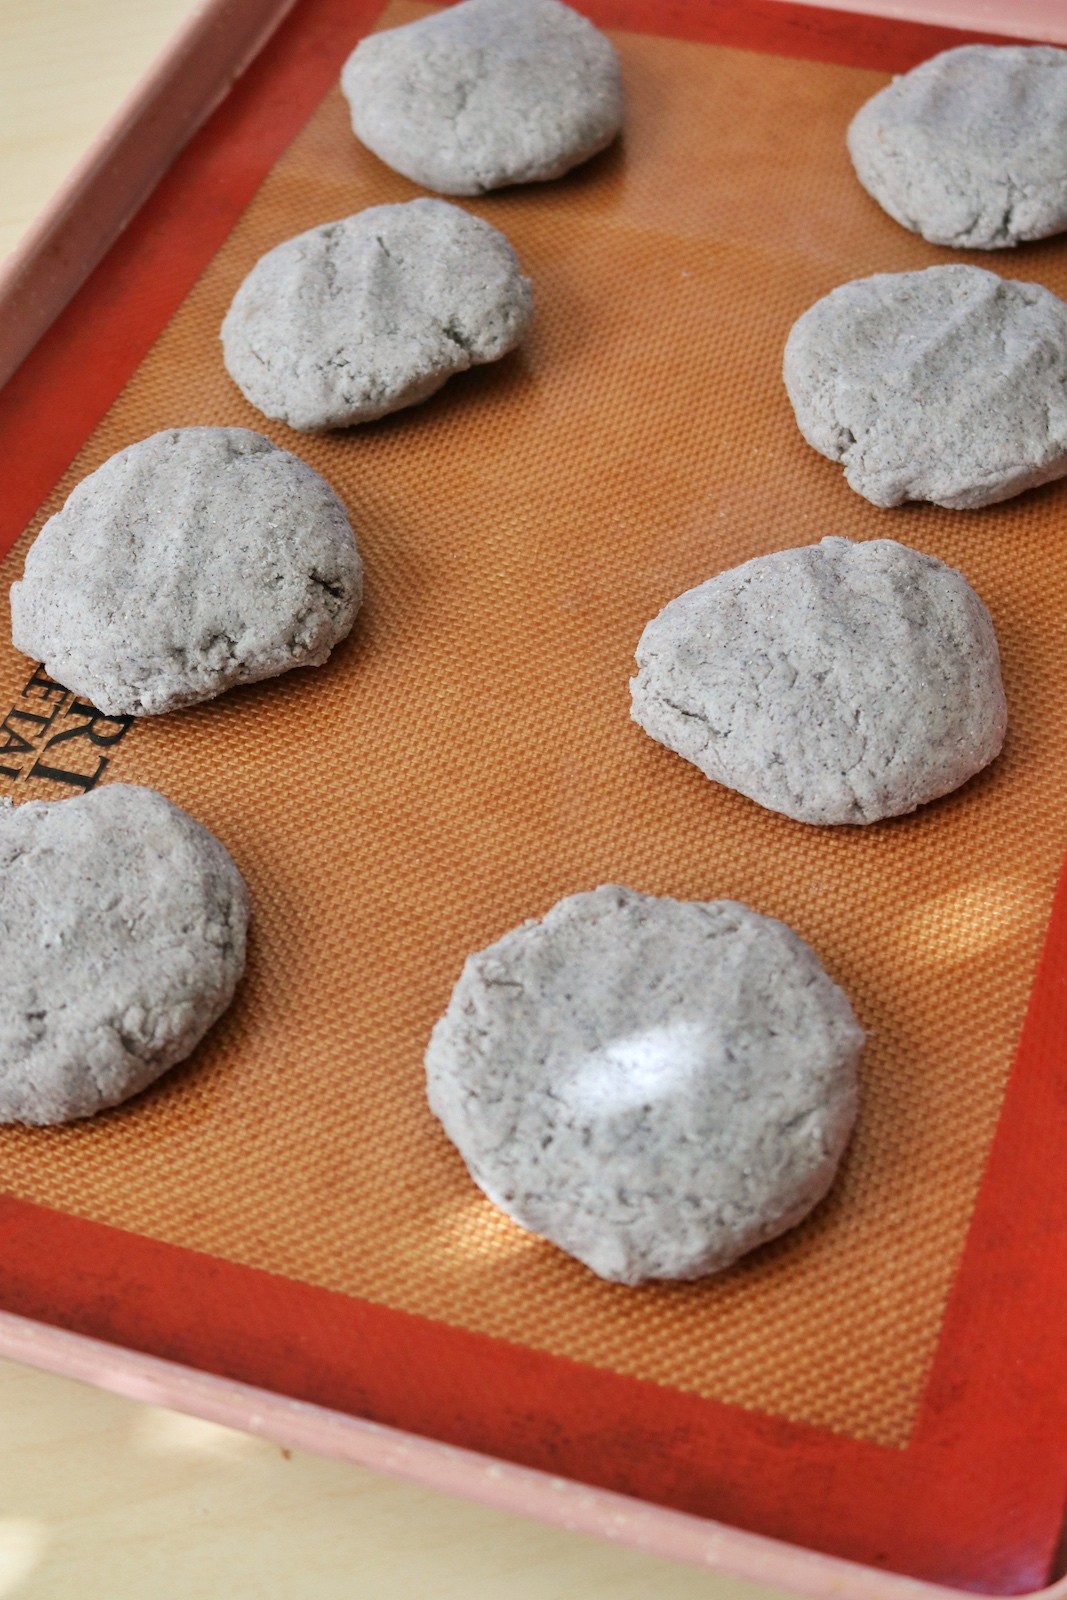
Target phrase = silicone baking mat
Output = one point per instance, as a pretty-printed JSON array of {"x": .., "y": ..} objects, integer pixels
[{"x": 284, "y": 1200}]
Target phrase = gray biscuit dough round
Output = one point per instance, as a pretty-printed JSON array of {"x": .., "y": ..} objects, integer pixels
[
  {"x": 656, "y": 1086},
  {"x": 123, "y": 925},
  {"x": 486, "y": 93},
  {"x": 836, "y": 683},
  {"x": 970, "y": 148},
  {"x": 364, "y": 316},
  {"x": 196, "y": 560},
  {"x": 948, "y": 385}
]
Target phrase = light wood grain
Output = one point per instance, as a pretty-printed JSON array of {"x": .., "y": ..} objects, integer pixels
[
  {"x": 104, "y": 1499},
  {"x": 65, "y": 66}
]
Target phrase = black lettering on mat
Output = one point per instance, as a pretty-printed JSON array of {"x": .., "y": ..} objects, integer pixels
[{"x": 50, "y": 733}]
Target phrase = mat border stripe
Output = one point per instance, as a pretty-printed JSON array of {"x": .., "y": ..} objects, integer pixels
[{"x": 456, "y": 1471}]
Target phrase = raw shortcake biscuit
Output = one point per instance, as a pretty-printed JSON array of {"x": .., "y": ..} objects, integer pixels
[
  {"x": 948, "y": 385},
  {"x": 196, "y": 560},
  {"x": 970, "y": 148},
  {"x": 486, "y": 93},
  {"x": 656, "y": 1086},
  {"x": 122, "y": 923},
  {"x": 364, "y": 316},
  {"x": 836, "y": 683}
]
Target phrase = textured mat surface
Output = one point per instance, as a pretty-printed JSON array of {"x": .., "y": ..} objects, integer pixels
[{"x": 467, "y": 758}]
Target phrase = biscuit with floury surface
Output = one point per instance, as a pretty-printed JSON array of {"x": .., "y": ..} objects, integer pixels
[
  {"x": 361, "y": 317},
  {"x": 189, "y": 563},
  {"x": 657, "y": 1086},
  {"x": 122, "y": 940},
  {"x": 948, "y": 384},
  {"x": 970, "y": 148},
  {"x": 835, "y": 683},
  {"x": 486, "y": 93}
]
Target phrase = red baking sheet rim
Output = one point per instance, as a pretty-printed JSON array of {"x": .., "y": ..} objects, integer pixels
[{"x": 977, "y": 1498}]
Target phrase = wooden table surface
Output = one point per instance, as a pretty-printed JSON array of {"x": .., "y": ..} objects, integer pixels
[{"x": 104, "y": 1499}]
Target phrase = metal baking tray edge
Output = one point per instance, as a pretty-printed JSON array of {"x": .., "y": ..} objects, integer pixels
[{"x": 297, "y": 1425}]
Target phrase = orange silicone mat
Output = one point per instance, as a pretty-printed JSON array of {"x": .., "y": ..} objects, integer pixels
[{"x": 466, "y": 758}]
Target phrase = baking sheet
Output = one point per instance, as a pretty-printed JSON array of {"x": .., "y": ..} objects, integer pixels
[{"x": 466, "y": 758}]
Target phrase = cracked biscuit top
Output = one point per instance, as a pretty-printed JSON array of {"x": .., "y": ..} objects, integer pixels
[
  {"x": 970, "y": 148},
  {"x": 193, "y": 561},
  {"x": 487, "y": 93},
  {"x": 360, "y": 317},
  {"x": 125, "y": 921},
  {"x": 836, "y": 683},
  {"x": 948, "y": 385}
]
